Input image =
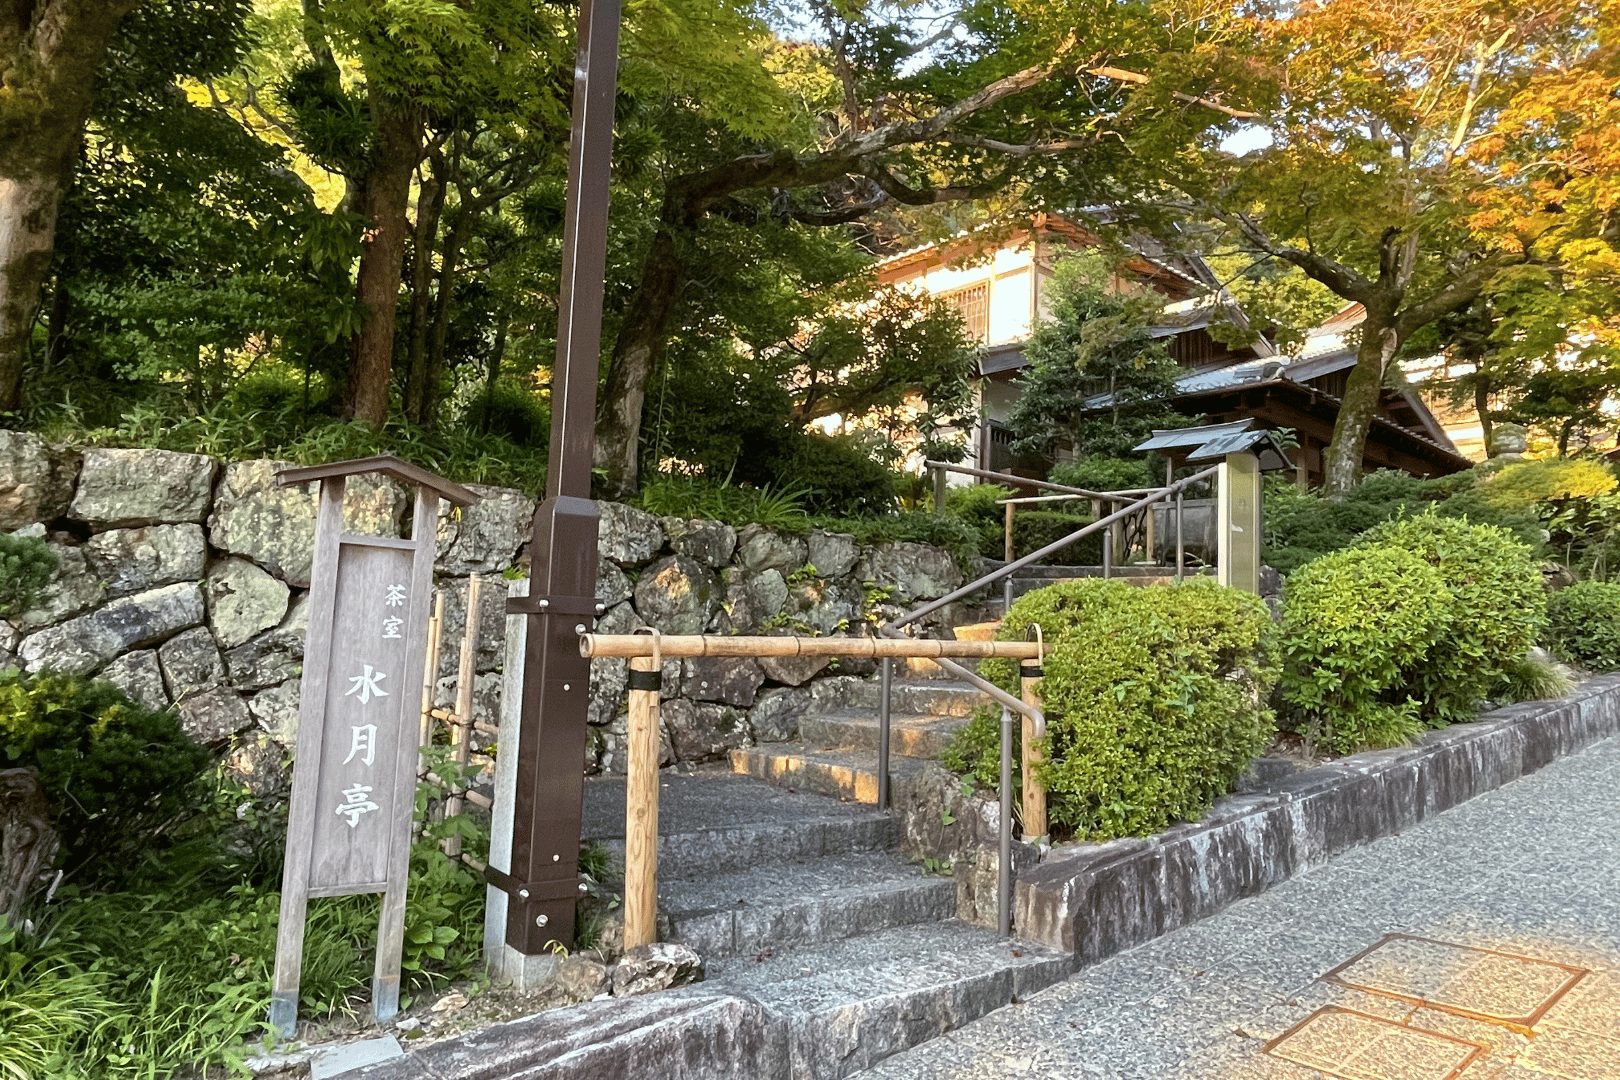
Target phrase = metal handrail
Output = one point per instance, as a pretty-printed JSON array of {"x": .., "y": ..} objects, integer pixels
[
  {"x": 1009, "y": 703},
  {"x": 1011, "y": 478},
  {"x": 1055, "y": 546}
]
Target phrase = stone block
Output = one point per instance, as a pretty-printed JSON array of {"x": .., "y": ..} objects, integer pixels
[
  {"x": 627, "y": 536},
  {"x": 142, "y": 487},
  {"x": 139, "y": 675},
  {"x": 485, "y": 537},
  {"x": 134, "y": 560},
  {"x": 87, "y": 642},
  {"x": 243, "y": 600},
  {"x": 677, "y": 595},
  {"x": 191, "y": 662},
  {"x": 36, "y": 482},
  {"x": 711, "y": 543}
]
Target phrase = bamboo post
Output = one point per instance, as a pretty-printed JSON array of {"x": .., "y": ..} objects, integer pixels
[
  {"x": 1033, "y": 754},
  {"x": 1150, "y": 527},
  {"x": 461, "y": 726},
  {"x": 1010, "y": 552},
  {"x": 430, "y": 670},
  {"x": 641, "y": 805}
]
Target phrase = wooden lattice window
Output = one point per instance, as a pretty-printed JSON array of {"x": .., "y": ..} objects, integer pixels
[{"x": 973, "y": 304}]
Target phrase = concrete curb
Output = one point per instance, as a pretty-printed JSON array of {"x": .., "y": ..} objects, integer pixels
[{"x": 1095, "y": 900}]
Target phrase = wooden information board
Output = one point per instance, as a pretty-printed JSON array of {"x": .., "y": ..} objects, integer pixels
[{"x": 354, "y": 774}]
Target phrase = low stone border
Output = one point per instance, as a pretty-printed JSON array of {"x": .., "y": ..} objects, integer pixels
[{"x": 1099, "y": 899}]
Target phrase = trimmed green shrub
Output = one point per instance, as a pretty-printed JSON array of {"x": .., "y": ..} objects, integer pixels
[
  {"x": 1530, "y": 483},
  {"x": 26, "y": 565},
  {"x": 1583, "y": 625},
  {"x": 838, "y": 475},
  {"x": 112, "y": 769},
  {"x": 1497, "y": 608},
  {"x": 1034, "y": 529},
  {"x": 1356, "y": 624},
  {"x": 975, "y": 506},
  {"x": 1096, "y": 473},
  {"x": 1155, "y": 701}
]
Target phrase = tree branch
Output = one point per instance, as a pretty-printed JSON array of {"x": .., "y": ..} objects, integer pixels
[
  {"x": 1136, "y": 78},
  {"x": 1335, "y": 275},
  {"x": 1458, "y": 293}
]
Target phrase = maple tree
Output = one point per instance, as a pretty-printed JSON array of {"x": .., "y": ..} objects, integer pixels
[{"x": 1415, "y": 150}]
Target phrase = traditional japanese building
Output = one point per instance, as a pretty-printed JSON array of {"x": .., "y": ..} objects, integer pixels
[{"x": 999, "y": 288}]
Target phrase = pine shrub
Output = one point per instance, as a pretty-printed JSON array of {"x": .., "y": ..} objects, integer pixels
[
  {"x": 26, "y": 565},
  {"x": 1583, "y": 625}
]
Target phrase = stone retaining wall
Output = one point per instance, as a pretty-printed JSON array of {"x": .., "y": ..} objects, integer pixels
[
  {"x": 183, "y": 579},
  {"x": 1098, "y": 899}
]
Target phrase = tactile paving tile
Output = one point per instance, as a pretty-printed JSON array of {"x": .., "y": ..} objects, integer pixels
[
  {"x": 1484, "y": 984},
  {"x": 1354, "y": 1046}
]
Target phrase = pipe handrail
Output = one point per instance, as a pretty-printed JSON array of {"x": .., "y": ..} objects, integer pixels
[
  {"x": 1023, "y": 481},
  {"x": 1019, "y": 500},
  {"x": 893, "y": 625}
]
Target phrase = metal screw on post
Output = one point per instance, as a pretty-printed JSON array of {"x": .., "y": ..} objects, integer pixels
[{"x": 1004, "y": 869}]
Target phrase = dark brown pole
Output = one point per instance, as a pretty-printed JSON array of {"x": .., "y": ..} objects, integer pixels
[{"x": 544, "y": 876}]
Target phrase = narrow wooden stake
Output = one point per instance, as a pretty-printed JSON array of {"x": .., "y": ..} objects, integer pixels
[
  {"x": 430, "y": 669},
  {"x": 1033, "y": 755},
  {"x": 641, "y": 806},
  {"x": 1007, "y": 529},
  {"x": 466, "y": 676}
]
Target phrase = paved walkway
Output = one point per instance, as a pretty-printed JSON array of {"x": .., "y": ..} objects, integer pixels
[{"x": 1481, "y": 945}]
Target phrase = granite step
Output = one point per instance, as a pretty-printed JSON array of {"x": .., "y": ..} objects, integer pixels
[
  {"x": 778, "y": 905},
  {"x": 839, "y": 773},
  {"x": 714, "y": 821},
  {"x": 933, "y": 697},
  {"x": 910, "y": 735},
  {"x": 850, "y": 1004}
]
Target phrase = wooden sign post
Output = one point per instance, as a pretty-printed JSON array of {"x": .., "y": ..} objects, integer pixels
[{"x": 354, "y": 774}]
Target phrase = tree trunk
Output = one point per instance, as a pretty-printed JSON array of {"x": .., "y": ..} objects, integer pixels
[
  {"x": 28, "y": 206},
  {"x": 1341, "y": 462},
  {"x": 449, "y": 267},
  {"x": 386, "y": 196},
  {"x": 636, "y": 353},
  {"x": 27, "y": 840},
  {"x": 429, "y": 204},
  {"x": 51, "y": 54},
  {"x": 1482, "y": 405}
]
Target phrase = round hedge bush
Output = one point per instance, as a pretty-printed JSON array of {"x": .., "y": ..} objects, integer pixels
[
  {"x": 1497, "y": 607},
  {"x": 1583, "y": 625},
  {"x": 1155, "y": 699},
  {"x": 1356, "y": 625}
]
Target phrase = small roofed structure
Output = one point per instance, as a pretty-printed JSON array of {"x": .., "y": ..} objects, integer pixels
[
  {"x": 388, "y": 465},
  {"x": 1212, "y": 442}
]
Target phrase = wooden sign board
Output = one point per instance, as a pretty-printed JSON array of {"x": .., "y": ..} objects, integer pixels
[{"x": 354, "y": 776}]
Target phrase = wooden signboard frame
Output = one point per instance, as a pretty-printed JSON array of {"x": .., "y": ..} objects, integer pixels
[{"x": 369, "y": 599}]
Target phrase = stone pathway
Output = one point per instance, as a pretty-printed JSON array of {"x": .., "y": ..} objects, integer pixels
[{"x": 1481, "y": 945}]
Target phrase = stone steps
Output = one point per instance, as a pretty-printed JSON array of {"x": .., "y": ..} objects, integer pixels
[
  {"x": 714, "y": 821},
  {"x": 775, "y": 905},
  {"x": 933, "y": 697},
  {"x": 846, "y": 1006},
  {"x": 840, "y": 773},
  {"x": 910, "y": 735}
]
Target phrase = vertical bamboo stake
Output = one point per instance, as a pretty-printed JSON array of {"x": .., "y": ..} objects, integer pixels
[
  {"x": 461, "y": 726},
  {"x": 430, "y": 670},
  {"x": 641, "y": 805},
  {"x": 1034, "y": 790},
  {"x": 1007, "y": 533}
]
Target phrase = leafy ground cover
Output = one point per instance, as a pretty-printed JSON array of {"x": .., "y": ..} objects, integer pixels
[{"x": 156, "y": 955}]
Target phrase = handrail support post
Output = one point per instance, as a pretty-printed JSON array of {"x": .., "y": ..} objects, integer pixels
[
  {"x": 1004, "y": 865},
  {"x": 885, "y": 707}
]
